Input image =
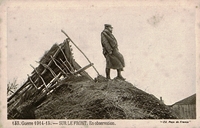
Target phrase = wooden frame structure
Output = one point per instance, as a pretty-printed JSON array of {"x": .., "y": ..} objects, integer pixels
[{"x": 56, "y": 63}]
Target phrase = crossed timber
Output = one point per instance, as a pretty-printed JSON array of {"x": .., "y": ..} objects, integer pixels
[{"x": 58, "y": 63}]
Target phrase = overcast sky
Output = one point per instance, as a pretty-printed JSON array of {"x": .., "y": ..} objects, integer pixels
[{"x": 157, "y": 42}]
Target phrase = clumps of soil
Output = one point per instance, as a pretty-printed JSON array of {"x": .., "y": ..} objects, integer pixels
[{"x": 103, "y": 99}]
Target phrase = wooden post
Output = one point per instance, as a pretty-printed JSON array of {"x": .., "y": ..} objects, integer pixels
[
  {"x": 70, "y": 65},
  {"x": 32, "y": 81},
  {"x": 65, "y": 57},
  {"x": 47, "y": 67},
  {"x": 55, "y": 79},
  {"x": 40, "y": 77},
  {"x": 66, "y": 66},
  {"x": 80, "y": 51},
  {"x": 25, "y": 84},
  {"x": 49, "y": 63},
  {"x": 62, "y": 52},
  {"x": 68, "y": 53},
  {"x": 57, "y": 65}
]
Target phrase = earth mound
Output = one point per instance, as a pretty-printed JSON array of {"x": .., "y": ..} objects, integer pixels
[{"x": 80, "y": 98}]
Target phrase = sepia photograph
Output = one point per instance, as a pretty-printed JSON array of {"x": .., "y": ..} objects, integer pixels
[{"x": 72, "y": 63}]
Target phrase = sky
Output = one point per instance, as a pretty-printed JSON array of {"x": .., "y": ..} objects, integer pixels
[{"x": 157, "y": 42}]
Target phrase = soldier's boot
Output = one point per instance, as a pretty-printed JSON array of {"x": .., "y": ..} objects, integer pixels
[
  {"x": 107, "y": 73},
  {"x": 119, "y": 75}
]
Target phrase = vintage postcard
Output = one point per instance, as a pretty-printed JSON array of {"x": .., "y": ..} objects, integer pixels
[{"x": 88, "y": 64}]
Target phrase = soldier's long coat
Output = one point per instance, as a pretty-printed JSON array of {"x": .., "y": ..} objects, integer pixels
[{"x": 109, "y": 44}]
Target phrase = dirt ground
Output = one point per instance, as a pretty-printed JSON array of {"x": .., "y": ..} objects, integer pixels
[{"x": 115, "y": 99}]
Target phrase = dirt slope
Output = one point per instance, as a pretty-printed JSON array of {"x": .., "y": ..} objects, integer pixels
[{"x": 115, "y": 99}]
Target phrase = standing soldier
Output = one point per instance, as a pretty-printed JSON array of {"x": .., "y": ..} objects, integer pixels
[{"x": 114, "y": 59}]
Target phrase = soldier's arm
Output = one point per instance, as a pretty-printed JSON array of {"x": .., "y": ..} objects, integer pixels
[{"x": 106, "y": 43}]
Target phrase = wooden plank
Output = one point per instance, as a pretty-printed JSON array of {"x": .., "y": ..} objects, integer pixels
[
  {"x": 83, "y": 69},
  {"x": 77, "y": 67}
]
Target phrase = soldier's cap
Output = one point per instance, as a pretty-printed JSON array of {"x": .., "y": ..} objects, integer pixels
[{"x": 108, "y": 25}]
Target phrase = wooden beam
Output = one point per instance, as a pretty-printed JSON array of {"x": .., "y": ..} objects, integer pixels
[
  {"x": 80, "y": 51},
  {"x": 29, "y": 78},
  {"x": 47, "y": 67},
  {"x": 66, "y": 66},
  {"x": 17, "y": 96},
  {"x": 68, "y": 53},
  {"x": 61, "y": 65},
  {"x": 18, "y": 90},
  {"x": 66, "y": 58},
  {"x": 70, "y": 65},
  {"x": 25, "y": 84},
  {"x": 62, "y": 52},
  {"x": 83, "y": 69},
  {"x": 40, "y": 77},
  {"x": 57, "y": 51},
  {"x": 77, "y": 67},
  {"x": 57, "y": 65},
  {"x": 55, "y": 79},
  {"x": 49, "y": 63}
]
